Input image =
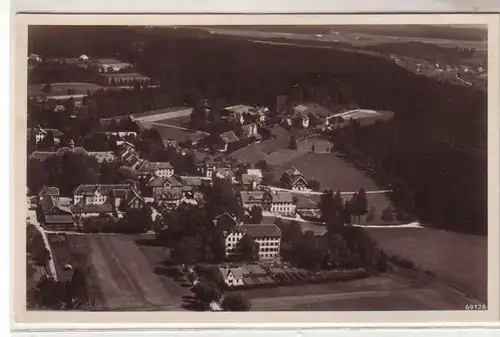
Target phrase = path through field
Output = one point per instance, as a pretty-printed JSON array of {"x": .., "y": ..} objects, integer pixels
[{"x": 125, "y": 276}]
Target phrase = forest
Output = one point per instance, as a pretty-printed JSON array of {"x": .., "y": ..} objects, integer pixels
[{"x": 436, "y": 143}]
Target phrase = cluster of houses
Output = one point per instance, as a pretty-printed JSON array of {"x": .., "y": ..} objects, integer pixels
[{"x": 60, "y": 213}]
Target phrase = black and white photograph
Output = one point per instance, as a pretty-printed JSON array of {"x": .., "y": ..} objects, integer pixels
[{"x": 256, "y": 168}]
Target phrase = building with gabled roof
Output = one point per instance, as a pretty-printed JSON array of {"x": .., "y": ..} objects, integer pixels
[
  {"x": 169, "y": 197},
  {"x": 293, "y": 179},
  {"x": 89, "y": 210},
  {"x": 100, "y": 156},
  {"x": 49, "y": 191},
  {"x": 266, "y": 236},
  {"x": 120, "y": 196},
  {"x": 41, "y": 133},
  {"x": 225, "y": 222},
  {"x": 233, "y": 277},
  {"x": 54, "y": 215},
  {"x": 227, "y": 138},
  {"x": 158, "y": 169},
  {"x": 210, "y": 169}
]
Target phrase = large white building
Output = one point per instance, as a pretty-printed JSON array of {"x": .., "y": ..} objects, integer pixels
[{"x": 266, "y": 236}]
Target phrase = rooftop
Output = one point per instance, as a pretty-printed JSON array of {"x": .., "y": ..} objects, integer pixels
[
  {"x": 229, "y": 137},
  {"x": 152, "y": 166},
  {"x": 88, "y": 208},
  {"x": 312, "y": 108},
  {"x": 103, "y": 189},
  {"x": 252, "y": 196},
  {"x": 262, "y": 230},
  {"x": 282, "y": 196},
  {"x": 49, "y": 190}
]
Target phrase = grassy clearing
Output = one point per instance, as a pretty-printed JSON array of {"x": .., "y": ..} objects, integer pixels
[
  {"x": 332, "y": 172},
  {"x": 388, "y": 292},
  {"x": 459, "y": 260}
]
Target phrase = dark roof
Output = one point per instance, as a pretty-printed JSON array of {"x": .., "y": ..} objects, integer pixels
[
  {"x": 63, "y": 218},
  {"x": 229, "y": 137},
  {"x": 307, "y": 201},
  {"x": 160, "y": 111},
  {"x": 225, "y": 222},
  {"x": 282, "y": 196},
  {"x": 103, "y": 189},
  {"x": 49, "y": 190},
  {"x": 192, "y": 181},
  {"x": 41, "y": 155},
  {"x": 262, "y": 230},
  {"x": 252, "y": 196},
  {"x": 102, "y": 208},
  {"x": 152, "y": 166},
  {"x": 168, "y": 194}
]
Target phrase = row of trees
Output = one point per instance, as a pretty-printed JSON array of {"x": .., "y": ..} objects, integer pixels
[
  {"x": 134, "y": 221},
  {"x": 59, "y": 295},
  {"x": 426, "y": 174},
  {"x": 342, "y": 246}
]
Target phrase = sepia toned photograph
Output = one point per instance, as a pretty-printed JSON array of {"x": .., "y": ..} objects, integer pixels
[{"x": 280, "y": 167}]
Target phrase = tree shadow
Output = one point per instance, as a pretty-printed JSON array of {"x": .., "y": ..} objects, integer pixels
[
  {"x": 169, "y": 272},
  {"x": 148, "y": 242}
]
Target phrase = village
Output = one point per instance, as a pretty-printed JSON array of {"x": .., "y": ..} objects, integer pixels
[{"x": 184, "y": 192}]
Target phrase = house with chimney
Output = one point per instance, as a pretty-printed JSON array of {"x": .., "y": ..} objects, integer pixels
[
  {"x": 210, "y": 169},
  {"x": 168, "y": 197},
  {"x": 260, "y": 198}
]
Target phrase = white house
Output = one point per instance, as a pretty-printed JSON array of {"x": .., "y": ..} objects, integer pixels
[
  {"x": 83, "y": 57},
  {"x": 41, "y": 133},
  {"x": 114, "y": 195},
  {"x": 232, "y": 276},
  {"x": 266, "y": 236},
  {"x": 282, "y": 203},
  {"x": 158, "y": 169}
]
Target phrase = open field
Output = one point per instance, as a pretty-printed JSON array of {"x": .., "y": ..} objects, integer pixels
[
  {"x": 332, "y": 172},
  {"x": 125, "y": 275},
  {"x": 173, "y": 132},
  {"x": 336, "y": 35},
  {"x": 176, "y": 121},
  {"x": 58, "y": 89},
  {"x": 459, "y": 260},
  {"x": 387, "y": 292}
]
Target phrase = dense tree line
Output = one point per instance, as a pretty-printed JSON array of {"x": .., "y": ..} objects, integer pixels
[
  {"x": 65, "y": 172},
  {"x": 442, "y": 182}
]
